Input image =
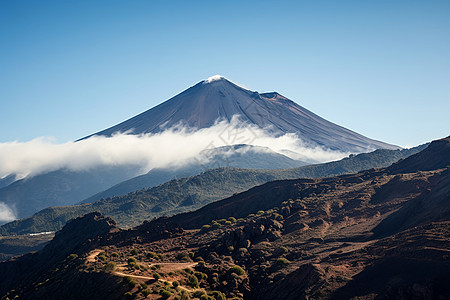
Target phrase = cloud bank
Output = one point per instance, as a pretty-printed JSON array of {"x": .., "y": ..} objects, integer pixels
[
  {"x": 173, "y": 147},
  {"x": 6, "y": 213}
]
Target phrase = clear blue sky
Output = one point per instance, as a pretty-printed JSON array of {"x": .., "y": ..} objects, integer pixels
[{"x": 71, "y": 68}]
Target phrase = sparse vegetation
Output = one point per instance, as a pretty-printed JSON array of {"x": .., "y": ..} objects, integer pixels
[
  {"x": 110, "y": 266},
  {"x": 237, "y": 270},
  {"x": 282, "y": 262},
  {"x": 193, "y": 281}
]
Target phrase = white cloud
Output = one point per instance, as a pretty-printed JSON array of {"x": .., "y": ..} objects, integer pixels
[
  {"x": 6, "y": 213},
  {"x": 173, "y": 147}
]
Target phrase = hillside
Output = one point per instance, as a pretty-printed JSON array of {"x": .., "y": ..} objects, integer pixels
[
  {"x": 286, "y": 239},
  {"x": 237, "y": 156},
  {"x": 190, "y": 193}
]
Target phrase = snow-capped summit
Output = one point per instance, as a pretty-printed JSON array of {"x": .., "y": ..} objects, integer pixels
[
  {"x": 201, "y": 105},
  {"x": 214, "y": 78}
]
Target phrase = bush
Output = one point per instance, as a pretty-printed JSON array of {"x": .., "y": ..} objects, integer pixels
[
  {"x": 198, "y": 294},
  {"x": 191, "y": 255},
  {"x": 282, "y": 262},
  {"x": 165, "y": 294},
  {"x": 228, "y": 223},
  {"x": 237, "y": 270},
  {"x": 132, "y": 260},
  {"x": 200, "y": 275},
  {"x": 134, "y": 252},
  {"x": 206, "y": 227},
  {"x": 184, "y": 296},
  {"x": 146, "y": 293},
  {"x": 151, "y": 254},
  {"x": 109, "y": 267},
  {"x": 175, "y": 284},
  {"x": 73, "y": 256},
  {"x": 126, "y": 279},
  {"x": 193, "y": 281},
  {"x": 101, "y": 257},
  {"x": 218, "y": 295},
  {"x": 144, "y": 286},
  {"x": 128, "y": 295},
  {"x": 232, "y": 219},
  {"x": 115, "y": 254},
  {"x": 260, "y": 212},
  {"x": 156, "y": 276}
]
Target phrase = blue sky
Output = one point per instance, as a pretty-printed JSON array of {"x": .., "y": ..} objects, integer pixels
[{"x": 71, "y": 68}]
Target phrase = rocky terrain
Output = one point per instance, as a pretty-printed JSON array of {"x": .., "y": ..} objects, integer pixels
[{"x": 378, "y": 234}]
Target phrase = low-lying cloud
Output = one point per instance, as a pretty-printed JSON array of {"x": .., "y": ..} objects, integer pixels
[
  {"x": 173, "y": 147},
  {"x": 6, "y": 213}
]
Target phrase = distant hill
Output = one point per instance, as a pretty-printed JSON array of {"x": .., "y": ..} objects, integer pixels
[
  {"x": 238, "y": 156},
  {"x": 61, "y": 187},
  {"x": 190, "y": 193}
]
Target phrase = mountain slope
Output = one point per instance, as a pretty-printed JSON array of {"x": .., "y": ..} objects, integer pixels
[
  {"x": 217, "y": 98},
  {"x": 295, "y": 239},
  {"x": 187, "y": 194}
]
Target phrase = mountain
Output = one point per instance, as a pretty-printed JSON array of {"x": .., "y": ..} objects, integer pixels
[
  {"x": 286, "y": 239},
  {"x": 238, "y": 156},
  {"x": 186, "y": 194},
  {"x": 217, "y": 98}
]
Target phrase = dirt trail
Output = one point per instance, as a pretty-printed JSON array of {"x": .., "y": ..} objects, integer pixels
[
  {"x": 135, "y": 276},
  {"x": 92, "y": 255},
  {"x": 174, "y": 266}
]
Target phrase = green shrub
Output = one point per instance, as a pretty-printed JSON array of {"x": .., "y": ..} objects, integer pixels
[
  {"x": 218, "y": 295},
  {"x": 260, "y": 212},
  {"x": 146, "y": 293},
  {"x": 128, "y": 295},
  {"x": 109, "y": 267},
  {"x": 131, "y": 260},
  {"x": 175, "y": 284},
  {"x": 115, "y": 254},
  {"x": 206, "y": 227},
  {"x": 282, "y": 262},
  {"x": 228, "y": 223},
  {"x": 151, "y": 254},
  {"x": 134, "y": 252},
  {"x": 237, "y": 270},
  {"x": 126, "y": 279},
  {"x": 156, "y": 276},
  {"x": 198, "y": 294},
  {"x": 144, "y": 285},
  {"x": 200, "y": 275},
  {"x": 165, "y": 294},
  {"x": 215, "y": 224},
  {"x": 101, "y": 257},
  {"x": 193, "y": 281},
  {"x": 73, "y": 256},
  {"x": 184, "y": 296},
  {"x": 153, "y": 268},
  {"x": 191, "y": 255},
  {"x": 232, "y": 219}
]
